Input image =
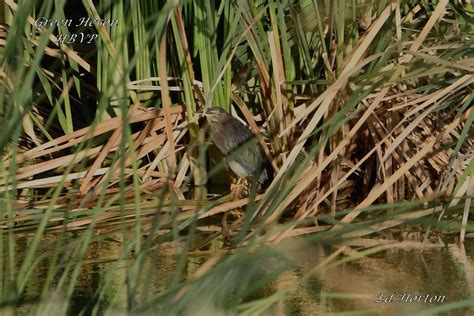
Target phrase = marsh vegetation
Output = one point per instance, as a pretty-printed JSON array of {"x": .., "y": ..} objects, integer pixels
[{"x": 362, "y": 109}]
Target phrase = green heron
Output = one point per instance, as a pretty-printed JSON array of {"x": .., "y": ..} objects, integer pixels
[{"x": 243, "y": 154}]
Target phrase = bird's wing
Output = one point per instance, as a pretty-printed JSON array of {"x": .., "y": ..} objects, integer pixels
[{"x": 249, "y": 156}]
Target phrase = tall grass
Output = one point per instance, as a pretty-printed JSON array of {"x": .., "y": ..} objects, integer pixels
[{"x": 362, "y": 108}]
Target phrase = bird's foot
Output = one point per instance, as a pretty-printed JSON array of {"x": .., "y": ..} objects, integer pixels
[{"x": 231, "y": 221}]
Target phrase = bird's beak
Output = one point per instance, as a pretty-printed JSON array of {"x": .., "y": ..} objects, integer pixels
[{"x": 202, "y": 112}]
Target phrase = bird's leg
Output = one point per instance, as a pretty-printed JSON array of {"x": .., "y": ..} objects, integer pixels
[{"x": 237, "y": 188}]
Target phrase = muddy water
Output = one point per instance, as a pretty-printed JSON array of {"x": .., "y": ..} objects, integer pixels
[{"x": 397, "y": 281}]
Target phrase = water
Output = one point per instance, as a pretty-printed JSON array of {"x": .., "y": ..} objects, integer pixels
[{"x": 396, "y": 281}]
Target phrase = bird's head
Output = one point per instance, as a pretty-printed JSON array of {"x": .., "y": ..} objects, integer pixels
[{"x": 213, "y": 114}]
